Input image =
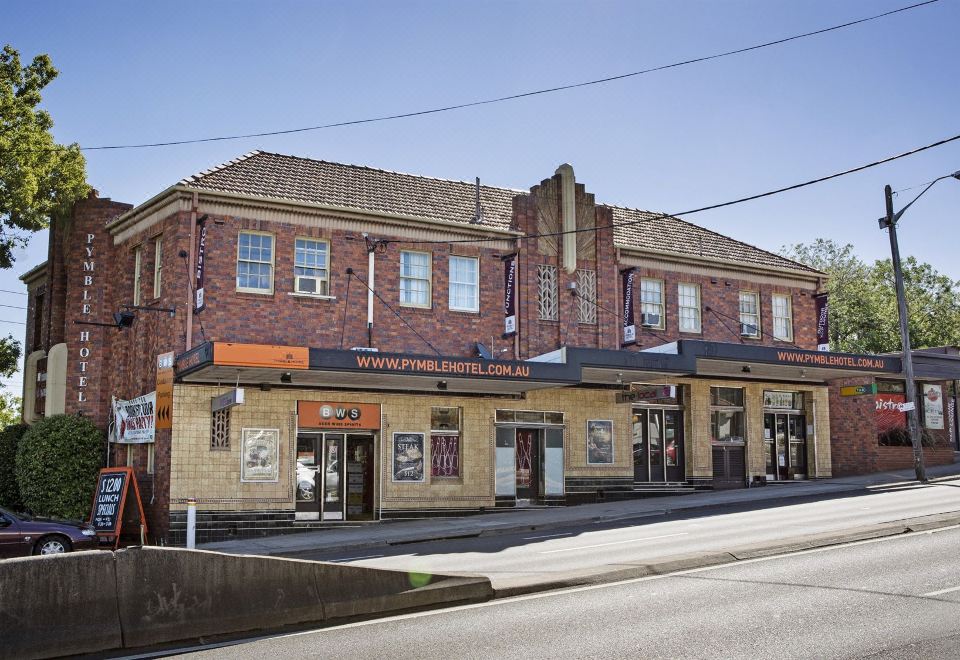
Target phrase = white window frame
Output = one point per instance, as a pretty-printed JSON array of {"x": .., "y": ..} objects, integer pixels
[
  {"x": 681, "y": 307},
  {"x": 323, "y": 283},
  {"x": 657, "y": 308},
  {"x": 758, "y": 333},
  {"x": 475, "y": 304},
  {"x": 137, "y": 262},
  {"x": 273, "y": 256},
  {"x": 428, "y": 279},
  {"x": 157, "y": 266},
  {"x": 788, "y": 319}
]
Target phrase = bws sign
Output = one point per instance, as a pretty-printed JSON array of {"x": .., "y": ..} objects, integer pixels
[{"x": 338, "y": 415}]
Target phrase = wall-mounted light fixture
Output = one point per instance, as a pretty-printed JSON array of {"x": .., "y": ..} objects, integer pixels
[
  {"x": 442, "y": 385},
  {"x": 286, "y": 377}
]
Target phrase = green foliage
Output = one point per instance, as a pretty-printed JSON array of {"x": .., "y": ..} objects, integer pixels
[
  {"x": 9, "y": 355},
  {"x": 9, "y": 439},
  {"x": 9, "y": 409},
  {"x": 38, "y": 178},
  {"x": 57, "y": 464},
  {"x": 863, "y": 300}
]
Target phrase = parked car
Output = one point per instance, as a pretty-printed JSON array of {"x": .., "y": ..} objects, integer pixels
[{"x": 22, "y": 534}]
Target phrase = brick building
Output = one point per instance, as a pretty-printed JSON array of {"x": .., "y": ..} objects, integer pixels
[{"x": 357, "y": 344}]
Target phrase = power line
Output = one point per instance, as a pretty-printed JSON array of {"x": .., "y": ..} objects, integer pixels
[
  {"x": 396, "y": 313},
  {"x": 16, "y": 322},
  {"x": 701, "y": 209},
  {"x": 13, "y": 306},
  {"x": 513, "y": 97},
  {"x": 19, "y": 293}
]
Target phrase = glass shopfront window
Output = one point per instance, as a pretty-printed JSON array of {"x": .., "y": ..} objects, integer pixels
[{"x": 727, "y": 422}]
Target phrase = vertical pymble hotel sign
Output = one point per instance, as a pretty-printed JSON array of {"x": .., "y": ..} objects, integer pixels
[
  {"x": 200, "y": 302},
  {"x": 629, "y": 322},
  {"x": 89, "y": 264},
  {"x": 510, "y": 295},
  {"x": 822, "y": 303}
]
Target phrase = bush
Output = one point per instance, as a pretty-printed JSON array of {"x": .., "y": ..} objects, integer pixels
[
  {"x": 9, "y": 491},
  {"x": 57, "y": 464}
]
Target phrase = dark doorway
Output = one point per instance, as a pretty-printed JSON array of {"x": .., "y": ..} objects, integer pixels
[
  {"x": 785, "y": 437},
  {"x": 657, "y": 445},
  {"x": 335, "y": 476},
  {"x": 528, "y": 465}
]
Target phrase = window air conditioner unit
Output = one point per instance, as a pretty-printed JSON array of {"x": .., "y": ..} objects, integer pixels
[
  {"x": 748, "y": 330},
  {"x": 649, "y": 320},
  {"x": 308, "y": 285}
]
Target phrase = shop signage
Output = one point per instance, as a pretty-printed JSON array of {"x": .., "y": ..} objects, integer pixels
[
  {"x": 408, "y": 457},
  {"x": 134, "y": 420},
  {"x": 814, "y": 359},
  {"x": 629, "y": 322},
  {"x": 822, "y": 303},
  {"x": 200, "y": 303},
  {"x": 510, "y": 295},
  {"x": 261, "y": 355},
  {"x": 647, "y": 393},
  {"x": 86, "y": 301},
  {"x": 932, "y": 406},
  {"x": 338, "y": 415},
  {"x": 165, "y": 391},
  {"x": 111, "y": 506},
  {"x": 858, "y": 390},
  {"x": 227, "y": 400},
  {"x": 780, "y": 400}
]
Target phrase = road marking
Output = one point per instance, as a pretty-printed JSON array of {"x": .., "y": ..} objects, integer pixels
[
  {"x": 942, "y": 591},
  {"x": 600, "y": 545},
  {"x": 546, "y": 536},
  {"x": 355, "y": 558}
]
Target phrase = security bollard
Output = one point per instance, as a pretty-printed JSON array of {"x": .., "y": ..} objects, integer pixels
[{"x": 191, "y": 522}]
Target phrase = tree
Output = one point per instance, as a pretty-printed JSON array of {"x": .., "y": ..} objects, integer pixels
[
  {"x": 863, "y": 301},
  {"x": 38, "y": 178},
  {"x": 9, "y": 409},
  {"x": 57, "y": 464},
  {"x": 9, "y": 356}
]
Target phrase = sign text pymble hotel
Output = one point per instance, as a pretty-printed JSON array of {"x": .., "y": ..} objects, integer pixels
[{"x": 86, "y": 302}]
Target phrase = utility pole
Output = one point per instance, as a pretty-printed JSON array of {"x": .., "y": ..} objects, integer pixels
[{"x": 910, "y": 388}]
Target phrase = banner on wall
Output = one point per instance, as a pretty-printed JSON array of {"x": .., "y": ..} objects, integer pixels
[
  {"x": 134, "y": 421},
  {"x": 200, "y": 302},
  {"x": 629, "y": 322},
  {"x": 510, "y": 295},
  {"x": 822, "y": 303},
  {"x": 932, "y": 406}
]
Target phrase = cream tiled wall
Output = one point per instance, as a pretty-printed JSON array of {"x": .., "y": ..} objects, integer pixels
[{"x": 213, "y": 476}]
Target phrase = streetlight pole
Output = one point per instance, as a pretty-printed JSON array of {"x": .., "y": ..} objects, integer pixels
[{"x": 910, "y": 388}]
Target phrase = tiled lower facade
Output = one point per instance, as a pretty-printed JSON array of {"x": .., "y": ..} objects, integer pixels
[{"x": 228, "y": 507}]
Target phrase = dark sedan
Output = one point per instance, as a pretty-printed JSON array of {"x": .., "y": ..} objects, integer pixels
[{"x": 21, "y": 534}]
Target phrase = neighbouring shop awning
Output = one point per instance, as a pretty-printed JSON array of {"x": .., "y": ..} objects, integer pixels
[{"x": 257, "y": 364}]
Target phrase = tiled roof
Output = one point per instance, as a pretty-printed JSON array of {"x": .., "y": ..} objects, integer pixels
[{"x": 278, "y": 176}]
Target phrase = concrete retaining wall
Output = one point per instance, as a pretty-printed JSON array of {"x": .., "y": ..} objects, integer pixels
[{"x": 98, "y": 601}]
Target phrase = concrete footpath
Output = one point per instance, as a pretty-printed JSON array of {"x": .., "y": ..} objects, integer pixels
[{"x": 518, "y": 520}]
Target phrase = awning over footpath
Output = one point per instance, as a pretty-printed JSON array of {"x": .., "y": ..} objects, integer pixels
[{"x": 258, "y": 364}]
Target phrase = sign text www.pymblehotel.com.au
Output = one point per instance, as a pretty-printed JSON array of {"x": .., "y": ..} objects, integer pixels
[
  {"x": 828, "y": 360},
  {"x": 441, "y": 366}
]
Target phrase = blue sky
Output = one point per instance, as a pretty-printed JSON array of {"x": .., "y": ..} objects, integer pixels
[{"x": 667, "y": 141}]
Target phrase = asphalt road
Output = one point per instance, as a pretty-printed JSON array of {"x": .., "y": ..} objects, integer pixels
[
  {"x": 515, "y": 559},
  {"x": 897, "y": 597}
]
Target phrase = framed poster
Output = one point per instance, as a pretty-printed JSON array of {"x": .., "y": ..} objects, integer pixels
[
  {"x": 260, "y": 455},
  {"x": 599, "y": 442},
  {"x": 408, "y": 457},
  {"x": 932, "y": 406}
]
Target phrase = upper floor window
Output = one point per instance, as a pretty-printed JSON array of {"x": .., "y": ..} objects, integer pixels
[
  {"x": 157, "y": 266},
  {"x": 651, "y": 303},
  {"x": 547, "y": 293},
  {"x": 465, "y": 284},
  {"x": 749, "y": 314},
  {"x": 586, "y": 296},
  {"x": 782, "y": 317},
  {"x": 137, "y": 258},
  {"x": 688, "y": 307},
  {"x": 415, "y": 279},
  {"x": 255, "y": 262},
  {"x": 311, "y": 272}
]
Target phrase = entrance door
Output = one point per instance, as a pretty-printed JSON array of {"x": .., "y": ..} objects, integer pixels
[
  {"x": 528, "y": 464},
  {"x": 335, "y": 476},
  {"x": 786, "y": 445},
  {"x": 657, "y": 445}
]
